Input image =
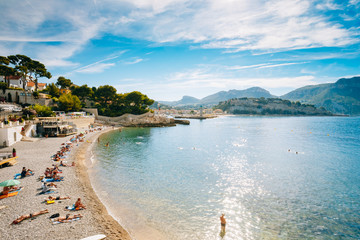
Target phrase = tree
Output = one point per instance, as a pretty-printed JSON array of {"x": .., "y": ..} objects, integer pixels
[
  {"x": 137, "y": 102},
  {"x": 82, "y": 92},
  {"x": 36, "y": 94},
  {"x": 43, "y": 111},
  {"x": 3, "y": 86},
  {"x": 5, "y": 70},
  {"x": 105, "y": 93},
  {"x": 26, "y": 66},
  {"x": 39, "y": 71},
  {"x": 63, "y": 82},
  {"x": 22, "y": 65},
  {"x": 69, "y": 102},
  {"x": 52, "y": 90}
]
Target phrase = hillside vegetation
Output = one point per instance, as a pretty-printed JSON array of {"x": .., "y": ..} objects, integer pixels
[
  {"x": 270, "y": 106},
  {"x": 341, "y": 97}
]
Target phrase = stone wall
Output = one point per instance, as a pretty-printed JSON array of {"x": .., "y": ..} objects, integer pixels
[
  {"x": 23, "y": 97},
  {"x": 129, "y": 120}
]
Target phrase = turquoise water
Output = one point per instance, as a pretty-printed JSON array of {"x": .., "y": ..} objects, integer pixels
[{"x": 273, "y": 177}]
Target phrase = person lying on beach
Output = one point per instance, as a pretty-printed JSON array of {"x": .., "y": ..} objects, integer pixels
[
  {"x": 31, "y": 215},
  {"x": 7, "y": 190},
  {"x": 49, "y": 198},
  {"x": 52, "y": 185},
  {"x": 62, "y": 164},
  {"x": 79, "y": 205},
  {"x": 67, "y": 218},
  {"x": 14, "y": 188}
]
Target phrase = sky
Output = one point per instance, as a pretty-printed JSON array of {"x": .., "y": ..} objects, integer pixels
[{"x": 170, "y": 48}]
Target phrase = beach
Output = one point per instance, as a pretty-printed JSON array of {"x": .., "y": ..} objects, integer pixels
[{"x": 37, "y": 157}]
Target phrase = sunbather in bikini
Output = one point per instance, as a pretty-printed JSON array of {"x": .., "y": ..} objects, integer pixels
[
  {"x": 56, "y": 198},
  {"x": 31, "y": 215},
  {"x": 67, "y": 218}
]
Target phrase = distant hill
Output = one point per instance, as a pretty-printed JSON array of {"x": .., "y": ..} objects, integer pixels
[
  {"x": 270, "y": 106},
  {"x": 254, "y": 92},
  {"x": 341, "y": 97}
]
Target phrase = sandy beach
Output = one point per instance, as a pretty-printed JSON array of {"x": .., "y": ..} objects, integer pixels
[{"x": 37, "y": 156}]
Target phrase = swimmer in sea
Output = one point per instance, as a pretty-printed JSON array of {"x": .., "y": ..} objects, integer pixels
[{"x": 107, "y": 144}]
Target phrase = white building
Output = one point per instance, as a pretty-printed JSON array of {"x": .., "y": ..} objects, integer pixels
[
  {"x": 31, "y": 86},
  {"x": 10, "y": 133},
  {"x": 15, "y": 81},
  {"x": 18, "y": 81}
]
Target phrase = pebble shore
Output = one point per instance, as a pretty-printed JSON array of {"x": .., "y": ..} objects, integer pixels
[{"x": 37, "y": 156}]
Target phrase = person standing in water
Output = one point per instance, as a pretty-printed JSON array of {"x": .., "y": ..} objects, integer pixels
[{"x": 223, "y": 223}]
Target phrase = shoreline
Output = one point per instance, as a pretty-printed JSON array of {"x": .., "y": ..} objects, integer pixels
[
  {"x": 112, "y": 228},
  {"x": 124, "y": 217},
  {"x": 37, "y": 156}
]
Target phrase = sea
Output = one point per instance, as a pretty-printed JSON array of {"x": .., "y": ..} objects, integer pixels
[{"x": 272, "y": 177}]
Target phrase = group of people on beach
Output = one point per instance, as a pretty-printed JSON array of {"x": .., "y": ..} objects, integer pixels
[{"x": 51, "y": 175}]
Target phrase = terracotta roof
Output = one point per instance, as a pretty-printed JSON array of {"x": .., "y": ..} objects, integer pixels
[{"x": 32, "y": 84}]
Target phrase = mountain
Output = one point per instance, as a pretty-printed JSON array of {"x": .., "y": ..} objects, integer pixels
[
  {"x": 270, "y": 106},
  {"x": 254, "y": 92},
  {"x": 341, "y": 97},
  {"x": 186, "y": 100}
]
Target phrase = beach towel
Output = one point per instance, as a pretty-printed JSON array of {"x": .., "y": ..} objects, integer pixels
[
  {"x": 64, "y": 221},
  {"x": 52, "y": 180},
  {"x": 72, "y": 208},
  {"x": 18, "y": 175}
]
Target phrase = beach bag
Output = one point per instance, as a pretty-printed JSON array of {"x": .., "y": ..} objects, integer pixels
[{"x": 55, "y": 215}]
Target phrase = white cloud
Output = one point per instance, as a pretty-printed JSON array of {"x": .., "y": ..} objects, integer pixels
[
  {"x": 279, "y": 65},
  {"x": 137, "y": 60},
  {"x": 54, "y": 31},
  {"x": 238, "y": 25},
  {"x": 98, "y": 68},
  {"x": 202, "y": 82},
  {"x": 263, "y": 65},
  {"x": 246, "y": 67},
  {"x": 354, "y": 2},
  {"x": 328, "y": 5}
]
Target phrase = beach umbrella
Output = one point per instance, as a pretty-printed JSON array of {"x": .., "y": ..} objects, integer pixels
[{"x": 9, "y": 183}]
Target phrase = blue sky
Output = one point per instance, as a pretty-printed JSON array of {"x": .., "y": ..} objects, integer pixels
[{"x": 171, "y": 48}]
